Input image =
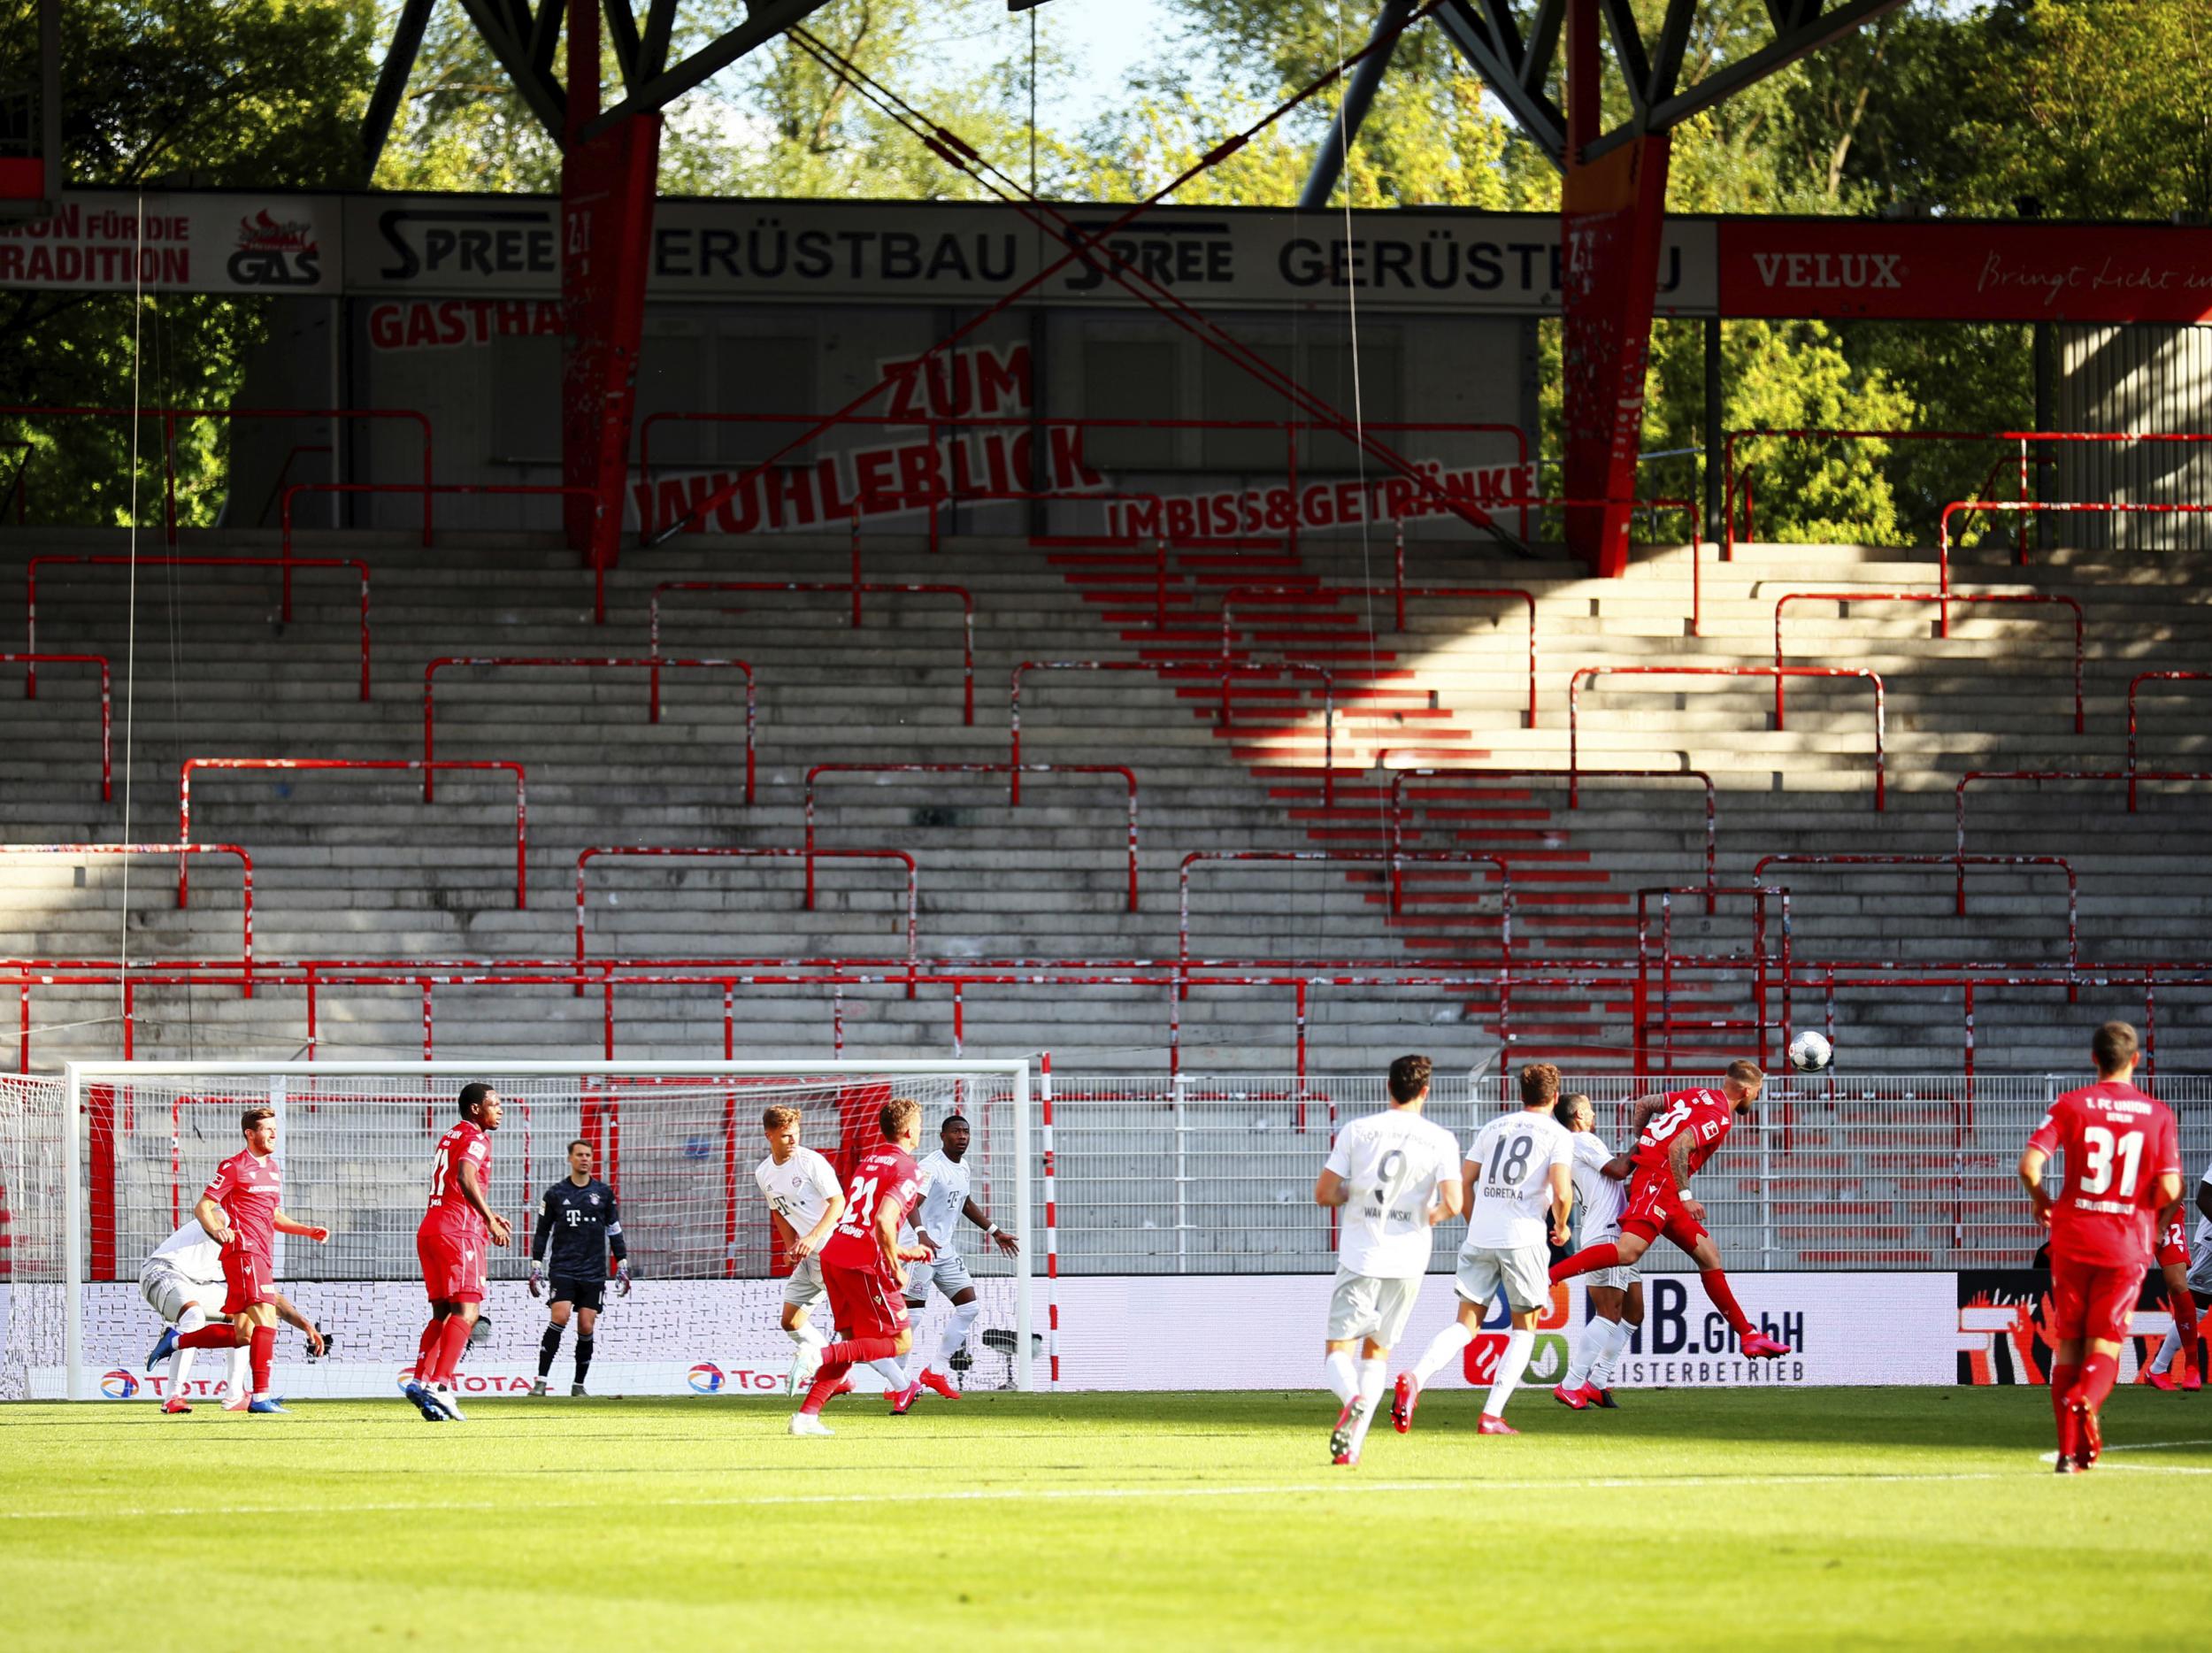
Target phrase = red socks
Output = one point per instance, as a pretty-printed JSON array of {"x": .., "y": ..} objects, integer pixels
[
  {"x": 2184, "y": 1311},
  {"x": 426, "y": 1350},
  {"x": 828, "y": 1378},
  {"x": 219, "y": 1335},
  {"x": 1723, "y": 1298},
  {"x": 453, "y": 1337},
  {"x": 264, "y": 1348},
  {"x": 858, "y": 1351},
  {"x": 2099, "y": 1373},
  {"x": 1592, "y": 1257},
  {"x": 2064, "y": 1377}
]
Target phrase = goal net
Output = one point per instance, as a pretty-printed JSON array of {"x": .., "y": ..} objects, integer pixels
[{"x": 80, "y": 1211}]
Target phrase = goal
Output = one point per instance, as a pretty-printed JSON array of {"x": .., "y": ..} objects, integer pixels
[{"x": 80, "y": 1209}]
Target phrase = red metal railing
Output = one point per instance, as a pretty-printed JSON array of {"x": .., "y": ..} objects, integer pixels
[
  {"x": 2080, "y": 649},
  {"x": 427, "y": 490},
  {"x": 169, "y": 416},
  {"x": 1574, "y": 696},
  {"x": 1331, "y": 594},
  {"x": 2037, "y": 777},
  {"x": 31, "y": 662},
  {"x": 245, "y": 871},
  {"x": 654, "y": 665},
  {"x": 522, "y": 807},
  {"x": 1755, "y": 963},
  {"x": 284, "y": 475},
  {"x": 2135, "y": 684},
  {"x": 1127, "y": 774},
  {"x": 1961, "y": 861},
  {"x": 2033, "y": 508},
  {"x": 857, "y": 588},
  {"x": 1399, "y": 777},
  {"x": 30, "y": 588},
  {"x": 913, "y": 891},
  {"x": 1222, "y": 669},
  {"x": 954, "y": 494}
]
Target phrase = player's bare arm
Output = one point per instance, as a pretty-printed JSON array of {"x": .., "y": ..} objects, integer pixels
[
  {"x": 894, "y": 1256},
  {"x": 2204, "y": 1201},
  {"x": 292, "y": 1316},
  {"x": 804, "y": 1246},
  {"x": 2167, "y": 1188},
  {"x": 1679, "y": 1168},
  {"x": 2031, "y": 1161},
  {"x": 1329, "y": 1189},
  {"x": 1645, "y": 1107},
  {"x": 1619, "y": 1168},
  {"x": 472, "y": 1191},
  {"x": 997, "y": 1235},
  {"x": 1451, "y": 1200},
  {"x": 289, "y": 1225},
  {"x": 210, "y": 1212},
  {"x": 1563, "y": 1194}
]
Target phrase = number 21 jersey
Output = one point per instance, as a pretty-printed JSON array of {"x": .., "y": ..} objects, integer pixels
[
  {"x": 1392, "y": 1165},
  {"x": 887, "y": 1172},
  {"x": 2117, "y": 1143}
]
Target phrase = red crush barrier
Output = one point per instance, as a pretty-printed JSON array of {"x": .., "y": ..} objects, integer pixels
[{"x": 2080, "y": 649}]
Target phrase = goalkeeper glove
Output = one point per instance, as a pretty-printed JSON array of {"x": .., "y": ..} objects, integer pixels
[
  {"x": 537, "y": 1277},
  {"x": 622, "y": 1279}
]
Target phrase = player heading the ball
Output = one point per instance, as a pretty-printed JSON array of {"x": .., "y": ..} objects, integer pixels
[
  {"x": 2122, "y": 1168},
  {"x": 1517, "y": 1175},
  {"x": 240, "y": 1211},
  {"x": 1676, "y": 1134},
  {"x": 1395, "y": 1174},
  {"x": 450, "y": 1244},
  {"x": 578, "y": 1216}
]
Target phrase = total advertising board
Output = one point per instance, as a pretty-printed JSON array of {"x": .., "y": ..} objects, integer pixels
[
  {"x": 431, "y": 248},
  {"x": 1139, "y": 1333}
]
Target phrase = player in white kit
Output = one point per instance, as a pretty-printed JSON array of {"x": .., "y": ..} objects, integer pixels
[
  {"x": 1617, "y": 1294},
  {"x": 182, "y": 1281},
  {"x": 946, "y": 1199},
  {"x": 1518, "y": 1171},
  {"x": 1393, "y": 1174},
  {"x": 804, "y": 1201}
]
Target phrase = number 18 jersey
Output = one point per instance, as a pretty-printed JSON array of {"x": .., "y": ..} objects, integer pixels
[
  {"x": 887, "y": 1172},
  {"x": 1392, "y": 1165},
  {"x": 1512, "y": 1158},
  {"x": 2118, "y": 1142}
]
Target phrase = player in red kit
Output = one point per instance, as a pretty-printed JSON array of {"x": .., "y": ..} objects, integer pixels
[
  {"x": 450, "y": 1244},
  {"x": 1676, "y": 1134},
  {"x": 862, "y": 1265},
  {"x": 2122, "y": 1168},
  {"x": 241, "y": 1213},
  {"x": 2173, "y": 1264}
]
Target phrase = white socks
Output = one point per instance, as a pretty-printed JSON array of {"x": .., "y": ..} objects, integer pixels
[
  {"x": 235, "y": 1379},
  {"x": 805, "y": 1335},
  {"x": 1373, "y": 1374},
  {"x": 180, "y": 1363},
  {"x": 1518, "y": 1347},
  {"x": 1595, "y": 1351},
  {"x": 893, "y": 1372},
  {"x": 956, "y": 1335},
  {"x": 1443, "y": 1348},
  {"x": 1343, "y": 1375},
  {"x": 1608, "y": 1356},
  {"x": 2162, "y": 1361}
]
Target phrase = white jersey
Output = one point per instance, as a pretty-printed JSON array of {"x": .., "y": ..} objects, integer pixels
[
  {"x": 1602, "y": 1198},
  {"x": 2204, "y": 1224},
  {"x": 191, "y": 1253},
  {"x": 1392, "y": 1165},
  {"x": 800, "y": 1189},
  {"x": 945, "y": 1183},
  {"x": 1513, "y": 1156}
]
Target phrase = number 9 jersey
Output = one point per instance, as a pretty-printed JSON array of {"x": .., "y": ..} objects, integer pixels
[{"x": 2117, "y": 1143}]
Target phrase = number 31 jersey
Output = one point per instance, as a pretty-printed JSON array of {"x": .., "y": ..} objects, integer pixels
[
  {"x": 1392, "y": 1165},
  {"x": 2117, "y": 1143},
  {"x": 1512, "y": 1158},
  {"x": 887, "y": 1172}
]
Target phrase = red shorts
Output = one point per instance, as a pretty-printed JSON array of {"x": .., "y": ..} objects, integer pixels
[
  {"x": 2092, "y": 1300},
  {"x": 453, "y": 1264},
  {"x": 1654, "y": 1208},
  {"x": 246, "y": 1278},
  {"x": 864, "y": 1302},
  {"x": 2173, "y": 1247}
]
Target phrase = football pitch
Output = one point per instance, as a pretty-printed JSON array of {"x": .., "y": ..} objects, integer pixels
[{"x": 1812, "y": 1518}]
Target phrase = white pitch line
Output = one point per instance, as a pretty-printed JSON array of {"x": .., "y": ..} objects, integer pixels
[
  {"x": 2147, "y": 1446},
  {"x": 1015, "y": 1494}
]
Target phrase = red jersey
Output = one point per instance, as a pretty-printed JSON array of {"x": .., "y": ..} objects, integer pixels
[
  {"x": 466, "y": 1142},
  {"x": 887, "y": 1172},
  {"x": 2117, "y": 1143},
  {"x": 1704, "y": 1115},
  {"x": 250, "y": 1190}
]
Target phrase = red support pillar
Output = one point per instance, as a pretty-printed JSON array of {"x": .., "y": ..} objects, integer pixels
[
  {"x": 607, "y": 185},
  {"x": 1612, "y": 212}
]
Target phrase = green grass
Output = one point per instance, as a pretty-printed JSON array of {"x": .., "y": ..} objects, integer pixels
[{"x": 1805, "y": 1519}]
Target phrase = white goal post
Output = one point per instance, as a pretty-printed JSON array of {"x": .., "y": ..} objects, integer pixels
[{"x": 678, "y": 1141}]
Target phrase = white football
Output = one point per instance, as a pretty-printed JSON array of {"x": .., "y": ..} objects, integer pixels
[{"x": 1810, "y": 1052}]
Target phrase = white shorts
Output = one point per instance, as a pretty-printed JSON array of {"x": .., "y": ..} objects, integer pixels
[
  {"x": 947, "y": 1270},
  {"x": 1361, "y": 1306},
  {"x": 1621, "y": 1276},
  {"x": 804, "y": 1288},
  {"x": 1524, "y": 1271},
  {"x": 167, "y": 1292},
  {"x": 2201, "y": 1270}
]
